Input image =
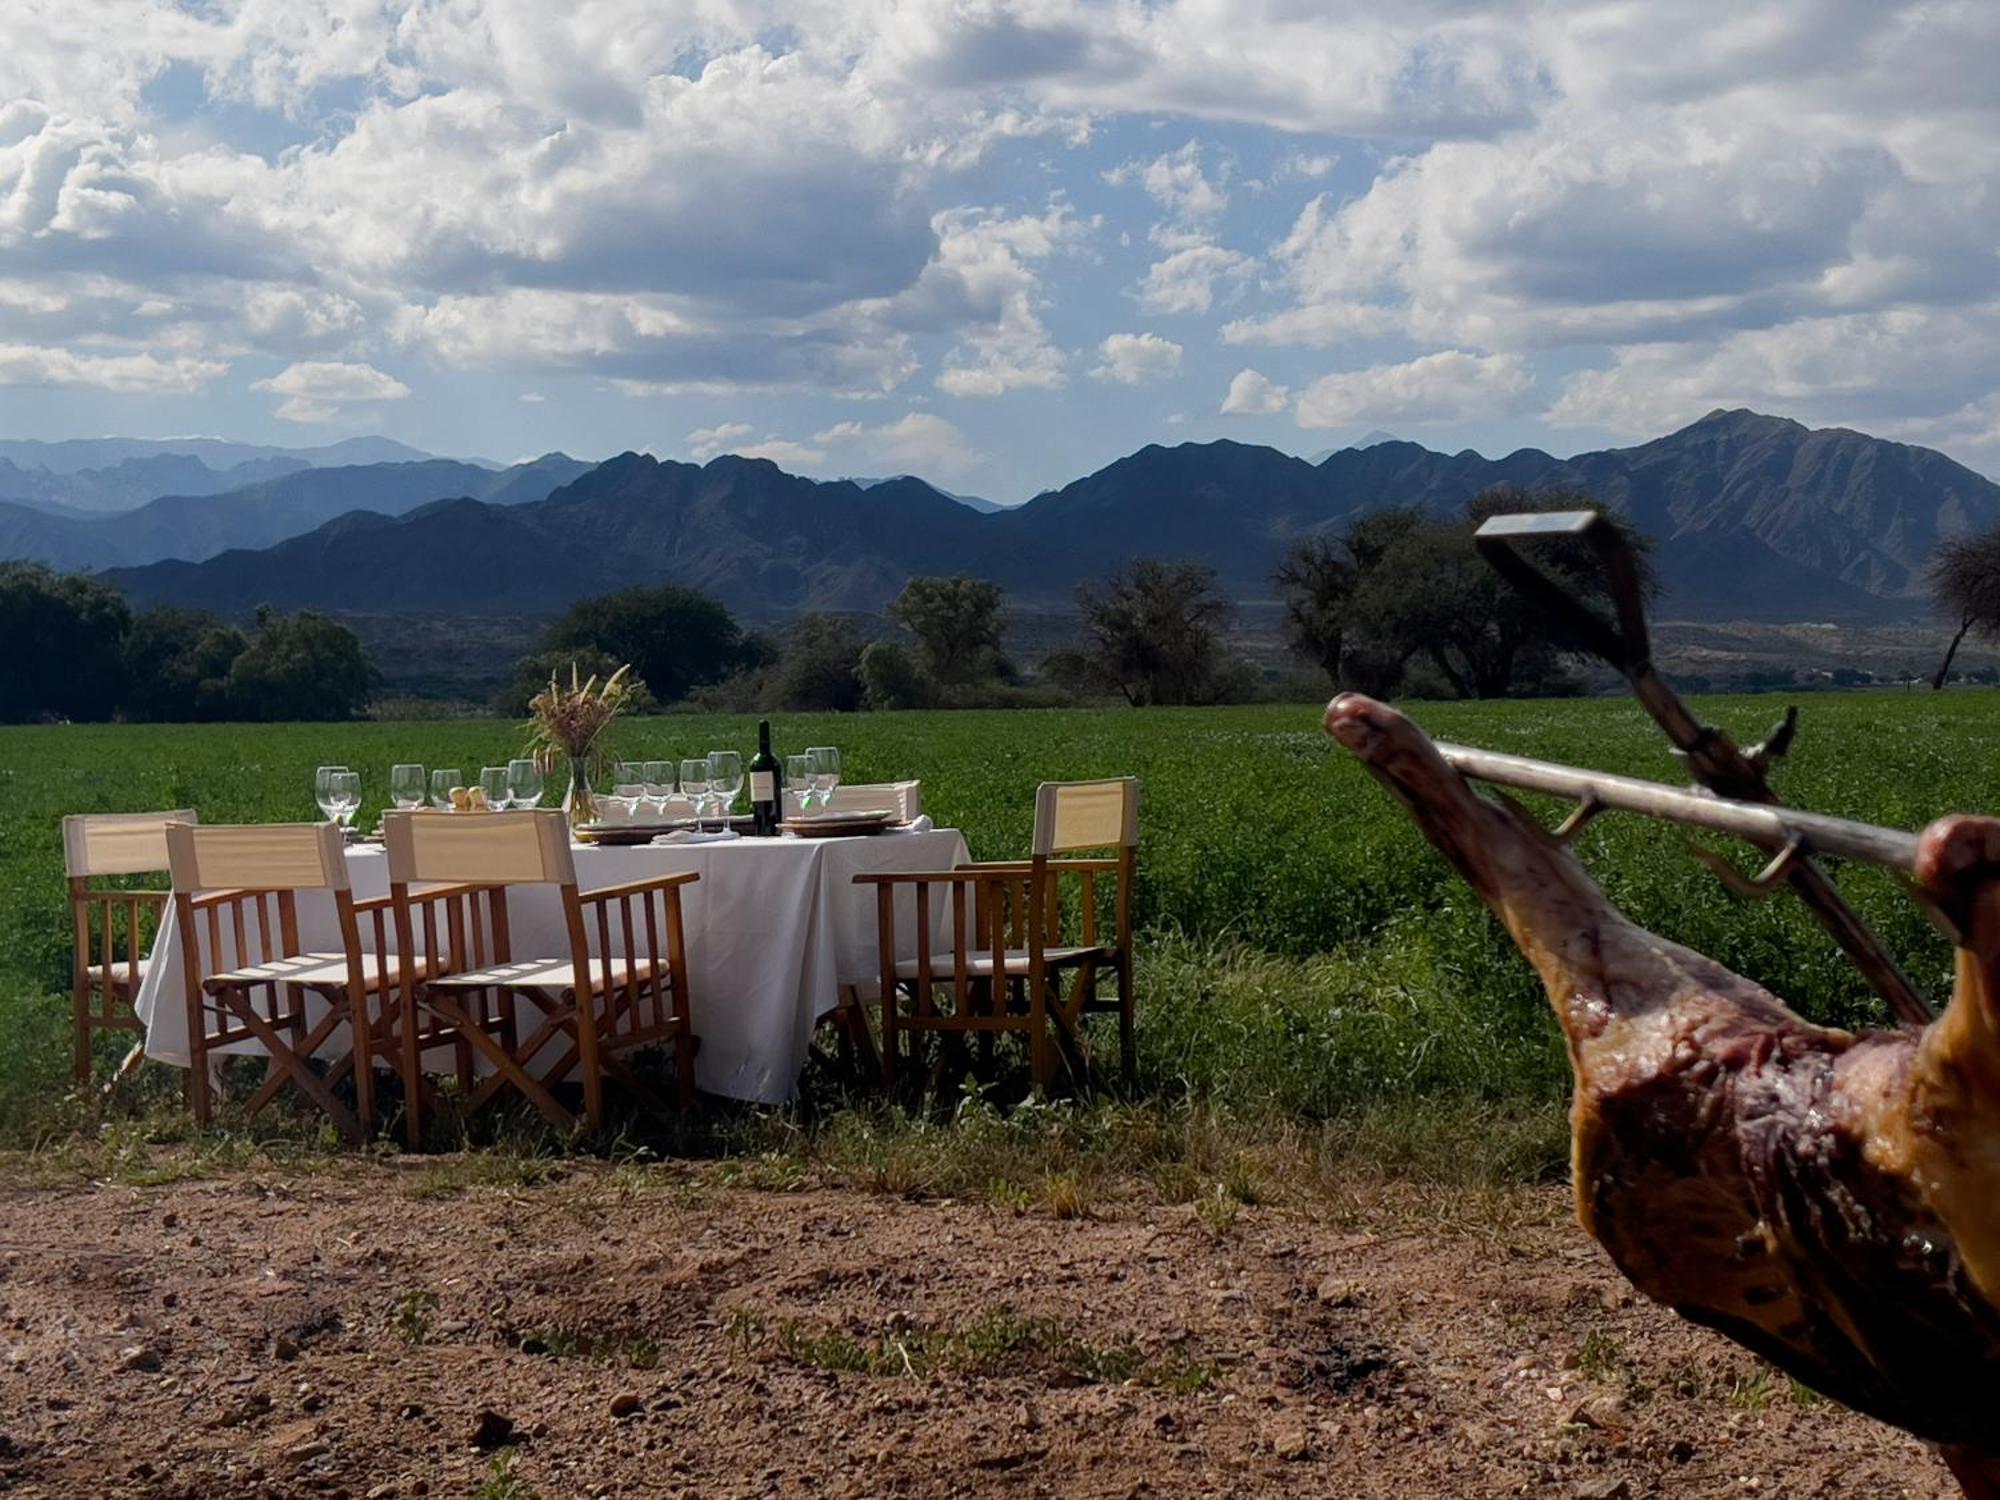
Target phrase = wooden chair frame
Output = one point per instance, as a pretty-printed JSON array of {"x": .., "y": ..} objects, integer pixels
[
  {"x": 96, "y": 846},
  {"x": 610, "y": 1004},
  {"x": 1010, "y": 966},
  {"x": 257, "y": 999}
]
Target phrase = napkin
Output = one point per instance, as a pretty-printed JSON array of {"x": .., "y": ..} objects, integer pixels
[
  {"x": 921, "y": 823},
  {"x": 689, "y": 836}
]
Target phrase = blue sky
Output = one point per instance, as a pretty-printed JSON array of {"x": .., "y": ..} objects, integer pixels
[{"x": 996, "y": 242}]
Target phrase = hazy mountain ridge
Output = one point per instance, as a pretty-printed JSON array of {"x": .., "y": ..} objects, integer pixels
[
  {"x": 197, "y": 526},
  {"x": 1755, "y": 517}
]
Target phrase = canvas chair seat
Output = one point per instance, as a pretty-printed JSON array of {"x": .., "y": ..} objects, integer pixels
[
  {"x": 317, "y": 971},
  {"x": 554, "y": 975},
  {"x": 980, "y": 965}
]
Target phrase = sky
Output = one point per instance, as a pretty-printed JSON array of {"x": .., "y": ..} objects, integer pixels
[{"x": 998, "y": 243}]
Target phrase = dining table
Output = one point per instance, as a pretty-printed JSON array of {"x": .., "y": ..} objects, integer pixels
[{"x": 776, "y": 930}]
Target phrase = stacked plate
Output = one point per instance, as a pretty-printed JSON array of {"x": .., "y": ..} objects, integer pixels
[{"x": 840, "y": 825}]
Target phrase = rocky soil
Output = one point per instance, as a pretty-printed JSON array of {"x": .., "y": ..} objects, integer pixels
[{"x": 371, "y": 1332}]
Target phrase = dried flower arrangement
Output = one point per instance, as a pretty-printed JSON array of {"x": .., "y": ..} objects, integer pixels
[{"x": 566, "y": 725}]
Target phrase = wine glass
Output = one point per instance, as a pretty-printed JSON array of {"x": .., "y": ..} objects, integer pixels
[
  {"x": 406, "y": 787},
  {"x": 657, "y": 776},
  {"x": 725, "y": 779},
  {"x": 524, "y": 784},
  {"x": 694, "y": 786},
  {"x": 798, "y": 784},
  {"x": 825, "y": 771},
  {"x": 442, "y": 784},
  {"x": 493, "y": 782},
  {"x": 324, "y": 794},
  {"x": 345, "y": 786}
]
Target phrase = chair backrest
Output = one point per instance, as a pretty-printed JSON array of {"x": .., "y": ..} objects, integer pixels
[
  {"x": 904, "y": 798},
  {"x": 528, "y": 847},
  {"x": 256, "y": 857},
  {"x": 1086, "y": 815},
  {"x": 118, "y": 843}
]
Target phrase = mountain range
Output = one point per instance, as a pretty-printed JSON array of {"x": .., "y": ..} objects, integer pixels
[
  {"x": 199, "y": 524},
  {"x": 116, "y": 473},
  {"x": 1754, "y": 517}
]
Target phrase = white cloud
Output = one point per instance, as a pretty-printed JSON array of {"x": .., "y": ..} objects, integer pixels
[
  {"x": 916, "y": 443},
  {"x": 1135, "y": 358},
  {"x": 985, "y": 269},
  {"x": 1178, "y": 184},
  {"x": 324, "y": 390},
  {"x": 124, "y": 374},
  {"x": 1185, "y": 281},
  {"x": 1450, "y": 386},
  {"x": 1252, "y": 394},
  {"x": 705, "y": 442}
]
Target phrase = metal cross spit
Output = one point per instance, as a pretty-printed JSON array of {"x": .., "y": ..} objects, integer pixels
[{"x": 1733, "y": 795}]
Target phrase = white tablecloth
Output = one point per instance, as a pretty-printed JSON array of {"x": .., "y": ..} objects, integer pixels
[{"x": 774, "y": 928}]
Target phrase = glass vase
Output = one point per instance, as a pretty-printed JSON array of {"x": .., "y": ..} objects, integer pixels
[{"x": 578, "y": 802}]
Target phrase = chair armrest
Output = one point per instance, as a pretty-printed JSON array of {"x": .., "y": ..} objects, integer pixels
[
  {"x": 419, "y": 894},
  {"x": 636, "y": 888},
  {"x": 1026, "y": 867},
  {"x": 961, "y": 876}
]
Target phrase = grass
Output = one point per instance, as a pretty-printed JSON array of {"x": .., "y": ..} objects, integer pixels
[
  {"x": 999, "y": 1342},
  {"x": 1318, "y": 992}
]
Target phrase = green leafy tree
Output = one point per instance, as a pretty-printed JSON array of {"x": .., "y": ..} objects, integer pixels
[
  {"x": 1965, "y": 579},
  {"x": 891, "y": 678},
  {"x": 1422, "y": 591},
  {"x": 817, "y": 672},
  {"x": 64, "y": 635},
  {"x": 957, "y": 626},
  {"x": 1154, "y": 631},
  {"x": 177, "y": 664},
  {"x": 305, "y": 666},
  {"x": 675, "y": 638}
]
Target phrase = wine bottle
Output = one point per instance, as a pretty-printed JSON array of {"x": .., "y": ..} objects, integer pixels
[{"x": 767, "y": 783}]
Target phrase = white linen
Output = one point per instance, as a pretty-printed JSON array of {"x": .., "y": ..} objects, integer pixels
[{"x": 774, "y": 927}]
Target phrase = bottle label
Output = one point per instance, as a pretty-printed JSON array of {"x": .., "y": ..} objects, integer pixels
[{"x": 763, "y": 786}]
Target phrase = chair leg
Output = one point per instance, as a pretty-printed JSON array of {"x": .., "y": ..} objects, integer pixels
[
  {"x": 593, "y": 1067},
  {"x": 201, "y": 1102},
  {"x": 1041, "y": 1061},
  {"x": 129, "y": 1066},
  {"x": 891, "y": 1042},
  {"x": 80, "y": 1012},
  {"x": 1128, "y": 1046},
  {"x": 361, "y": 1035},
  {"x": 413, "y": 1072}
]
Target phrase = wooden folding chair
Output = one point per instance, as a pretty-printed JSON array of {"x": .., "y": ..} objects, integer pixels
[
  {"x": 248, "y": 978},
  {"x": 1024, "y": 956},
  {"x": 97, "y": 847},
  {"x": 632, "y": 994}
]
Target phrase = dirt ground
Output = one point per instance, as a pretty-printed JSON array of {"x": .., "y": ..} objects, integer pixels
[{"x": 634, "y": 1332}]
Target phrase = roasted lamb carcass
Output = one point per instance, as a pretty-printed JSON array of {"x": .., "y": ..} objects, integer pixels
[{"x": 1830, "y": 1200}]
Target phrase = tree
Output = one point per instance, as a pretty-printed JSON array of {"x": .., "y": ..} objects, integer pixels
[
  {"x": 302, "y": 666},
  {"x": 817, "y": 671},
  {"x": 177, "y": 664},
  {"x": 1154, "y": 629},
  {"x": 65, "y": 640},
  {"x": 1423, "y": 591},
  {"x": 675, "y": 638},
  {"x": 1965, "y": 578},
  {"x": 956, "y": 622},
  {"x": 891, "y": 679}
]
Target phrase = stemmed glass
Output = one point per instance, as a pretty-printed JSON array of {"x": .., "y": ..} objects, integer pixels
[
  {"x": 694, "y": 786},
  {"x": 324, "y": 792},
  {"x": 493, "y": 782},
  {"x": 524, "y": 784},
  {"x": 406, "y": 787},
  {"x": 725, "y": 780},
  {"x": 798, "y": 783},
  {"x": 345, "y": 788},
  {"x": 825, "y": 771},
  {"x": 442, "y": 783},
  {"x": 657, "y": 777}
]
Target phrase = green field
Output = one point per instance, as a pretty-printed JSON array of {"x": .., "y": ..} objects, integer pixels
[{"x": 1305, "y": 955}]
